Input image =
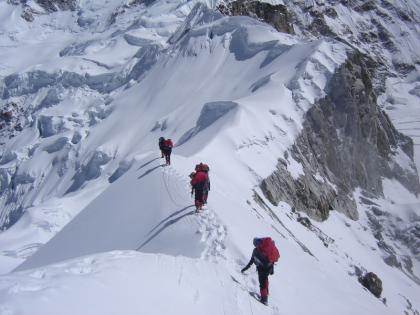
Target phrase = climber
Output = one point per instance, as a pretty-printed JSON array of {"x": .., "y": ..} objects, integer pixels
[
  {"x": 167, "y": 146},
  {"x": 264, "y": 255},
  {"x": 161, "y": 140},
  {"x": 198, "y": 183},
  {"x": 205, "y": 168}
]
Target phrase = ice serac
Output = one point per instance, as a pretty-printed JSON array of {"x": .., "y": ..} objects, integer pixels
[{"x": 347, "y": 142}]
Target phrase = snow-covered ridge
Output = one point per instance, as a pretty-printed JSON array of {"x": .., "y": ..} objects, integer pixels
[
  {"x": 230, "y": 91},
  {"x": 67, "y": 143}
]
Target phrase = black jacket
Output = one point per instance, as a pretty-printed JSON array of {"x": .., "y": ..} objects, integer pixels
[{"x": 260, "y": 261}]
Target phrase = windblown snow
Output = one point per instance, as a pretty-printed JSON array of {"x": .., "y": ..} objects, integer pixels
[{"x": 105, "y": 228}]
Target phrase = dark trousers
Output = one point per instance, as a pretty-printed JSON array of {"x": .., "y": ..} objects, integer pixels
[
  {"x": 263, "y": 279},
  {"x": 199, "y": 193},
  {"x": 167, "y": 154}
]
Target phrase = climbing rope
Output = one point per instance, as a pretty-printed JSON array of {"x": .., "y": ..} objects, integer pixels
[{"x": 165, "y": 181}]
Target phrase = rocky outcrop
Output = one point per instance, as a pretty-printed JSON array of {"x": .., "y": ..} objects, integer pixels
[
  {"x": 372, "y": 282},
  {"x": 275, "y": 15},
  {"x": 346, "y": 142},
  {"x": 43, "y": 6},
  {"x": 12, "y": 120}
]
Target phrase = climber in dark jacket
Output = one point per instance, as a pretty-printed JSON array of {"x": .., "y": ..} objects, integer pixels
[{"x": 263, "y": 270}]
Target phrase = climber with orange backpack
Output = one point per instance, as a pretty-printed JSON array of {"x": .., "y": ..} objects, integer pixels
[{"x": 264, "y": 255}]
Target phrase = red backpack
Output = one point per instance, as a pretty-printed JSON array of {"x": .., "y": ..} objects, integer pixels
[
  {"x": 268, "y": 249},
  {"x": 202, "y": 167},
  {"x": 168, "y": 143}
]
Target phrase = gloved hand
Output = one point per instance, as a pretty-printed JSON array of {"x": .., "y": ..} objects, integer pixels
[{"x": 243, "y": 270}]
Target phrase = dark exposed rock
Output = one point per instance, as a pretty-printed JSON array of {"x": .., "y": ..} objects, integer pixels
[
  {"x": 408, "y": 263},
  {"x": 331, "y": 12},
  {"x": 392, "y": 261},
  {"x": 27, "y": 15},
  {"x": 372, "y": 282},
  {"x": 367, "y": 6},
  {"x": 29, "y": 12},
  {"x": 377, "y": 211},
  {"x": 349, "y": 141},
  {"x": 55, "y": 5},
  {"x": 403, "y": 68},
  {"x": 410, "y": 236},
  {"x": 304, "y": 221},
  {"x": 146, "y": 2},
  {"x": 275, "y": 15},
  {"x": 12, "y": 119},
  {"x": 306, "y": 193},
  {"x": 76, "y": 138},
  {"x": 368, "y": 201},
  {"x": 384, "y": 36}
]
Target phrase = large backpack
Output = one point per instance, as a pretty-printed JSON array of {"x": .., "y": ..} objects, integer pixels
[
  {"x": 167, "y": 144},
  {"x": 202, "y": 167},
  {"x": 267, "y": 252}
]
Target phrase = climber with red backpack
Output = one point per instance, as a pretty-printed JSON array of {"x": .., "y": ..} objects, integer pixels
[
  {"x": 198, "y": 183},
  {"x": 167, "y": 146},
  {"x": 264, "y": 255},
  {"x": 202, "y": 167}
]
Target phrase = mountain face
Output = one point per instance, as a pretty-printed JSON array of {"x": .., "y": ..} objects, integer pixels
[
  {"x": 306, "y": 111},
  {"x": 347, "y": 141}
]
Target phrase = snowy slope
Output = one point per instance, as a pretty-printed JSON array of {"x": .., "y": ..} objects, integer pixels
[
  {"x": 231, "y": 92},
  {"x": 126, "y": 282},
  {"x": 138, "y": 212},
  {"x": 89, "y": 141},
  {"x": 331, "y": 276}
]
